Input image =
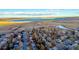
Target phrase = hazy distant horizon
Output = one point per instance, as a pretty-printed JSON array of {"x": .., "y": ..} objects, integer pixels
[{"x": 38, "y": 12}]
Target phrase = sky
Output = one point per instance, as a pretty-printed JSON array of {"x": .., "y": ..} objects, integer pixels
[{"x": 38, "y": 12}]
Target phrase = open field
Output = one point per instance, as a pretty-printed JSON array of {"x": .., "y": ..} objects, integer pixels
[
  {"x": 72, "y": 22},
  {"x": 69, "y": 24},
  {"x": 5, "y": 23},
  {"x": 6, "y": 19}
]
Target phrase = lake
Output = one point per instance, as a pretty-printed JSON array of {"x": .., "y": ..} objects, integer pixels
[{"x": 36, "y": 19}]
